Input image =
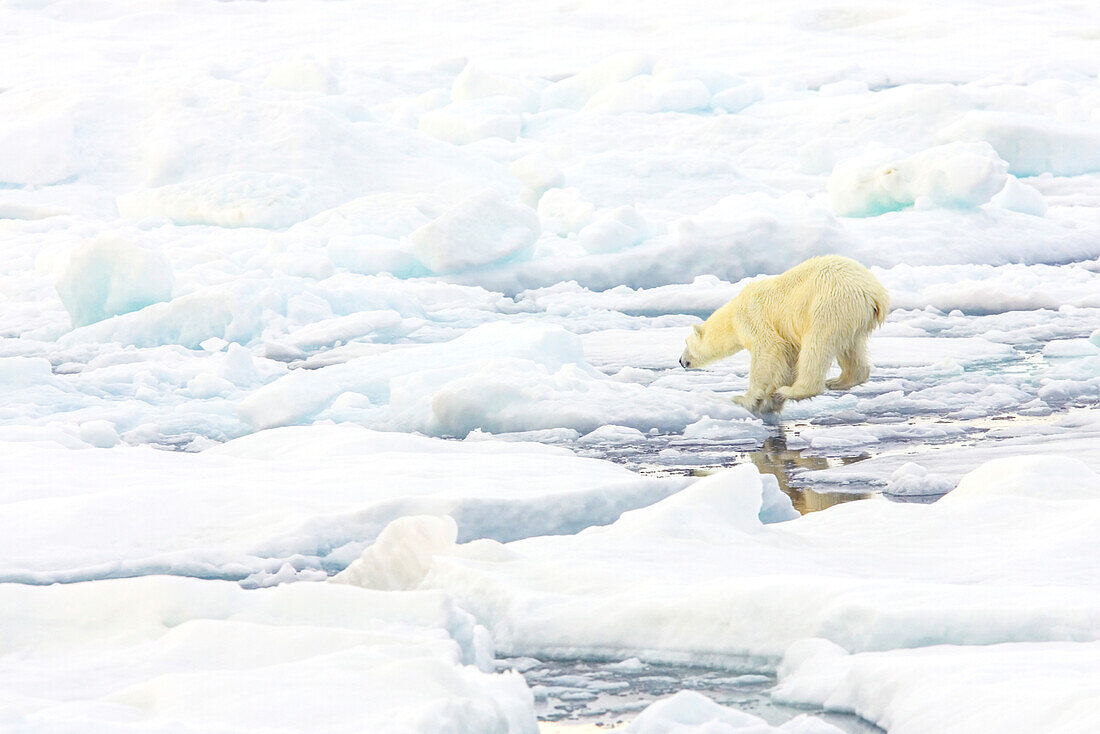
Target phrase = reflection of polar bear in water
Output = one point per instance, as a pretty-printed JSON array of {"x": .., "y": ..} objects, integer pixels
[{"x": 795, "y": 325}]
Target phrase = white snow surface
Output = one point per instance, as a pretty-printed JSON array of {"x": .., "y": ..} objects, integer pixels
[
  {"x": 277, "y": 275},
  {"x": 1024, "y": 686},
  {"x": 1002, "y": 559},
  {"x": 158, "y": 654},
  {"x": 688, "y": 711},
  {"x": 242, "y": 510}
]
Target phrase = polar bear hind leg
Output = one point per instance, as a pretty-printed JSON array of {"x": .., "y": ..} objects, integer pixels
[
  {"x": 854, "y": 367},
  {"x": 814, "y": 359}
]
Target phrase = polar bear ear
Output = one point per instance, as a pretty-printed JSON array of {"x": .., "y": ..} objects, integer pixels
[{"x": 698, "y": 329}]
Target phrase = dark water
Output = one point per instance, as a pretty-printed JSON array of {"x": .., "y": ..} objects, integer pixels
[
  {"x": 773, "y": 457},
  {"x": 575, "y": 696},
  {"x": 786, "y": 455}
]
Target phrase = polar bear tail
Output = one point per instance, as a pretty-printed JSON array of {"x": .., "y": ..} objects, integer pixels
[{"x": 881, "y": 306}]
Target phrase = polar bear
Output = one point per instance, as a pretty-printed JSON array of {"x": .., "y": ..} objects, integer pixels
[{"x": 795, "y": 325}]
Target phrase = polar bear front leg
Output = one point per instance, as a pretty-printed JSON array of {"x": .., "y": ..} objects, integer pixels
[{"x": 771, "y": 367}]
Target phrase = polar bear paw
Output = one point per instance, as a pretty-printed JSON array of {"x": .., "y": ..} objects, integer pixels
[
  {"x": 767, "y": 404},
  {"x": 749, "y": 404}
]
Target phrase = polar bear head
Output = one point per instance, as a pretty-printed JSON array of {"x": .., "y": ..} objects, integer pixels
[{"x": 707, "y": 343}]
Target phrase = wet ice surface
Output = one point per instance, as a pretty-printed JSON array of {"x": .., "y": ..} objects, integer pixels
[
  {"x": 931, "y": 400},
  {"x": 608, "y": 695}
]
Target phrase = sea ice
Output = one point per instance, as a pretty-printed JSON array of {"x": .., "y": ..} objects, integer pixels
[
  {"x": 272, "y": 201},
  {"x": 1032, "y": 144},
  {"x": 110, "y": 276},
  {"x": 954, "y": 175},
  {"x": 649, "y": 93},
  {"x": 217, "y": 218},
  {"x": 473, "y": 120},
  {"x": 479, "y": 230},
  {"x": 871, "y": 575},
  {"x": 1014, "y": 687},
  {"x": 160, "y": 653},
  {"x": 576, "y": 90},
  {"x": 1019, "y": 197},
  {"x": 128, "y": 511}
]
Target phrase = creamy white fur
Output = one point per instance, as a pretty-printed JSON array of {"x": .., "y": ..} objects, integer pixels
[{"x": 795, "y": 325}]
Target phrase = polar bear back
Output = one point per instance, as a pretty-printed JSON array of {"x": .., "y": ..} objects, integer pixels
[{"x": 822, "y": 294}]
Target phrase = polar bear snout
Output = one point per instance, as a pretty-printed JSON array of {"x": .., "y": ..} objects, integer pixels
[{"x": 685, "y": 359}]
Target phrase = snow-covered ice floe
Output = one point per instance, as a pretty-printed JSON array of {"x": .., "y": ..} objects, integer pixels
[
  {"x": 1004, "y": 558},
  {"x": 698, "y": 575},
  {"x": 1009, "y": 687},
  {"x": 287, "y": 503},
  {"x": 158, "y": 654}
]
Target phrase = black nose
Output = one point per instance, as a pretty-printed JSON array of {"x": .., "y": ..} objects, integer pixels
[{"x": 683, "y": 363}]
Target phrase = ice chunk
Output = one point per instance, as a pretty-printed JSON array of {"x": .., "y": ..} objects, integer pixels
[
  {"x": 303, "y": 75},
  {"x": 772, "y": 235},
  {"x": 612, "y": 434},
  {"x": 188, "y": 320},
  {"x": 1019, "y": 197},
  {"x": 1071, "y": 348},
  {"x": 613, "y": 230},
  {"x": 370, "y": 254},
  {"x": 563, "y": 211},
  {"x": 99, "y": 433},
  {"x": 742, "y": 430},
  {"x": 1037, "y": 477},
  {"x": 407, "y": 111},
  {"x": 1032, "y": 144},
  {"x": 378, "y": 325},
  {"x": 475, "y": 83},
  {"x": 110, "y": 276},
  {"x": 648, "y": 93},
  {"x": 776, "y": 505},
  {"x": 467, "y": 122},
  {"x": 913, "y": 480},
  {"x": 390, "y": 215},
  {"x": 286, "y": 574},
  {"x": 271, "y": 201},
  {"x": 400, "y": 556},
  {"x": 576, "y": 90},
  {"x": 213, "y": 344},
  {"x": 725, "y": 502},
  {"x": 538, "y": 175},
  {"x": 479, "y": 230},
  {"x": 737, "y": 98},
  {"x": 953, "y": 175},
  {"x": 630, "y": 665}
]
